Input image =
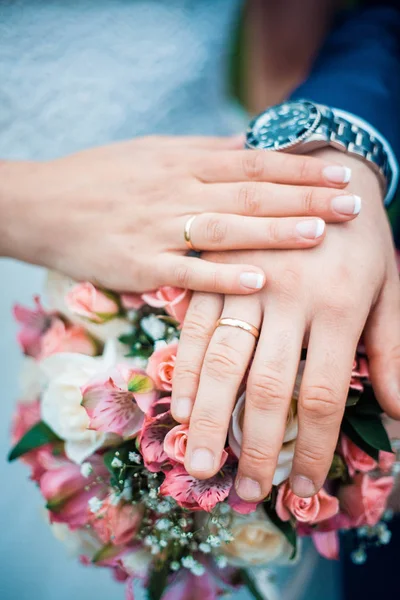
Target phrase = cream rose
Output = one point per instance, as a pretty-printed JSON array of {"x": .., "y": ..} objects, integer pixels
[
  {"x": 78, "y": 541},
  {"x": 257, "y": 542},
  {"x": 65, "y": 374}
]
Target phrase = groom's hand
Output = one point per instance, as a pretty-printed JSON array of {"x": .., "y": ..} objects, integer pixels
[{"x": 325, "y": 298}]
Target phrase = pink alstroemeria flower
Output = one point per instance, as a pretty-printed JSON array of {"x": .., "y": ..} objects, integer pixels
[
  {"x": 153, "y": 434},
  {"x": 34, "y": 325},
  {"x": 116, "y": 524},
  {"x": 68, "y": 491},
  {"x": 365, "y": 499},
  {"x": 120, "y": 403},
  {"x": 86, "y": 301},
  {"x": 193, "y": 493},
  {"x": 175, "y": 301},
  {"x": 326, "y": 543}
]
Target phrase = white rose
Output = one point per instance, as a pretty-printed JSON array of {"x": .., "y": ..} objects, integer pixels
[
  {"x": 257, "y": 542},
  {"x": 58, "y": 286},
  {"x": 30, "y": 380},
  {"x": 78, "y": 541},
  {"x": 285, "y": 458},
  {"x": 65, "y": 374}
]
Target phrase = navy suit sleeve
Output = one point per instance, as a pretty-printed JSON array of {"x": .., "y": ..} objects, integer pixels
[{"x": 358, "y": 68}]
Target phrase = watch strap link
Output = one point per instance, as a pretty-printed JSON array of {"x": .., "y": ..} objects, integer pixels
[{"x": 349, "y": 137}]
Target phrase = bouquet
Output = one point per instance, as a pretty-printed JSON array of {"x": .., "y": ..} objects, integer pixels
[{"x": 95, "y": 429}]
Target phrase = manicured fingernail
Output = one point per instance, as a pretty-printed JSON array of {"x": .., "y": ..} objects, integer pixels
[
  {"x": 302, "y": 486},
  {"x": 254, "y": 281},
  {"x": 347, "y": 205},
  {"x": 337, "y": 174},
  {"x": 248, "y": 489},
  {"x": 183, "y": 408},
  {"x": 311, "y": 229},
  {"x": 202, "y": 460}
]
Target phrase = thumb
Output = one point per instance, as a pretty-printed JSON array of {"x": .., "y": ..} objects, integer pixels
[{"x": 382, "y": 342}]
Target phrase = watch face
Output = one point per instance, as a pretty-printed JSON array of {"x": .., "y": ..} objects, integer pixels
[{"x": 283, "y": 125}]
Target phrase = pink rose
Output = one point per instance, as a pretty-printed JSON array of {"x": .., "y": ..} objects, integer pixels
[
  {"x": 116, "y": 524},
  {"x": 87, "y": 301},
  {"x": 326, "y": 543},
  {"x": 161, "y": 366},
  {"x": 132, "y": 301},
  {"x": 319, "y": 507},
  {"x": 360, "y": 373},
  {"x": 68, "y": 492},
  {"x": 355, "y": 458},
  {"x": 175, "y": 443},
  {"x": 66, "y": 338},
  {"x": 34, "y": 325},
  {"x": 174, "y": 300},
  {"x": 386, "y": 461},
  {"x": 365, "y": 499}
]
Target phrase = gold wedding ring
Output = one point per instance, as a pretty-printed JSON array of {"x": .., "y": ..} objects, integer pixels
[
  {"x": 238, "y": 323},
  {"x": 186, "y": 233}
]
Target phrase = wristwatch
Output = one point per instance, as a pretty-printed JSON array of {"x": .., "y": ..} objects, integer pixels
[{"x": 301, "y": 126}]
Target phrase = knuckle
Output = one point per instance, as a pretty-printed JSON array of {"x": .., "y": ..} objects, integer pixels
[
  {"x": 287, "y": 282},
  {"x": 182, "y": 276},
  {"x": 274, "y": 231},
  {"x": 304, "y": 169},
  {"x": 222, "y": 362},
  {"x": 184, "y": 371},
  {"x": 253, "y": 165},
  {"x": 309, "y": 201},
  {"x": 216, "y": 230},
  {"x": 310, "y": 454},
  {"x": 193, "y": 329},
  {"x": 266, "y": 386},
  {"x": 259, "y": 456},
  {"x": 205, "y": 422},
  {"x": 320, "y": 401},
  {"x": 249, "y": 202}
]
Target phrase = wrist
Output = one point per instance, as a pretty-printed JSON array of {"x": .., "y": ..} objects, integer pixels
[{"x": 18, "y": 211}]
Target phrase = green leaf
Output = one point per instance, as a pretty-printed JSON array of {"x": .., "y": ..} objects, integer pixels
[
  {"x": 157, "y": 582},
  {"x": 348, "y": 429},
  {"x": 249, "y": 582},
  {"x": 367, "y": 404},
  {"x": 39, "y": 435},
  {"x": 285, "y": 527},
  {"x": 371, "y": 430}
]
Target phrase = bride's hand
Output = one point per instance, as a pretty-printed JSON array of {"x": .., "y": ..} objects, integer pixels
[
  {"x": 324, "y": 298},
  {"x": 116, "y": 215}
]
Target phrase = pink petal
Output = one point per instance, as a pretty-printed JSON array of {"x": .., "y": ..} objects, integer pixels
[
  {"x": 188, "y": 586},
  {"x": 239, "y": 505},
  {"x": 152, "y": 437},
  {"x": 327, "y": 544},
  {"x": 112, "y": 409}
]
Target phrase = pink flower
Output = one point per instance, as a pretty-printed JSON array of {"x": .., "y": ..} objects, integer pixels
[
  {"x": 365, "y": 499},
  {"x": 386, "y": 461},
  {"x": 187, "y": 585},
  {"x": 195, "y": 494},
  {"x": 68, "y": 491},
  {"x": 241, "y": 506},
  {"x": 152, "y": 436},
  {"x": 66, "y": 338},
  {"x": 355, "y": 458},
  {"x": 116, "y": 524},
  {"x": 319, "y": 507},
  {"x": 360, "y": 373},
  {"x": 174, "y": 300},
  {"x": 34, "y": 324},
  {"x": 132, "y": 301},
  {"x": 119, "y": 404},
  {"x": 87, "y": 301},
  {"x": 175, "y": 443},
  {"x": 161, "y": 366},
  {"x": 327, "y": 544}
]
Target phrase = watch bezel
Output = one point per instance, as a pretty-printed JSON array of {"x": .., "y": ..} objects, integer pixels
[{"x": 253, "y": 142}]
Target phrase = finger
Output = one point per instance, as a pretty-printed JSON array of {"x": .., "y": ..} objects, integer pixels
[
  {"x": 224, "y": 367},
  {"x": 323, "y": 395},
  {"x": 268, "y": 396},
  {"x": 203, "y": 312},
  {"x": 261, "y": 199},
  {"x": 382, "y": 341},
  {"x": 275, "y": 167},
  {"x": 234, "y": 142},
  {"x": 200, "y": 275},
  {"x": 232, "y": 232}
]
